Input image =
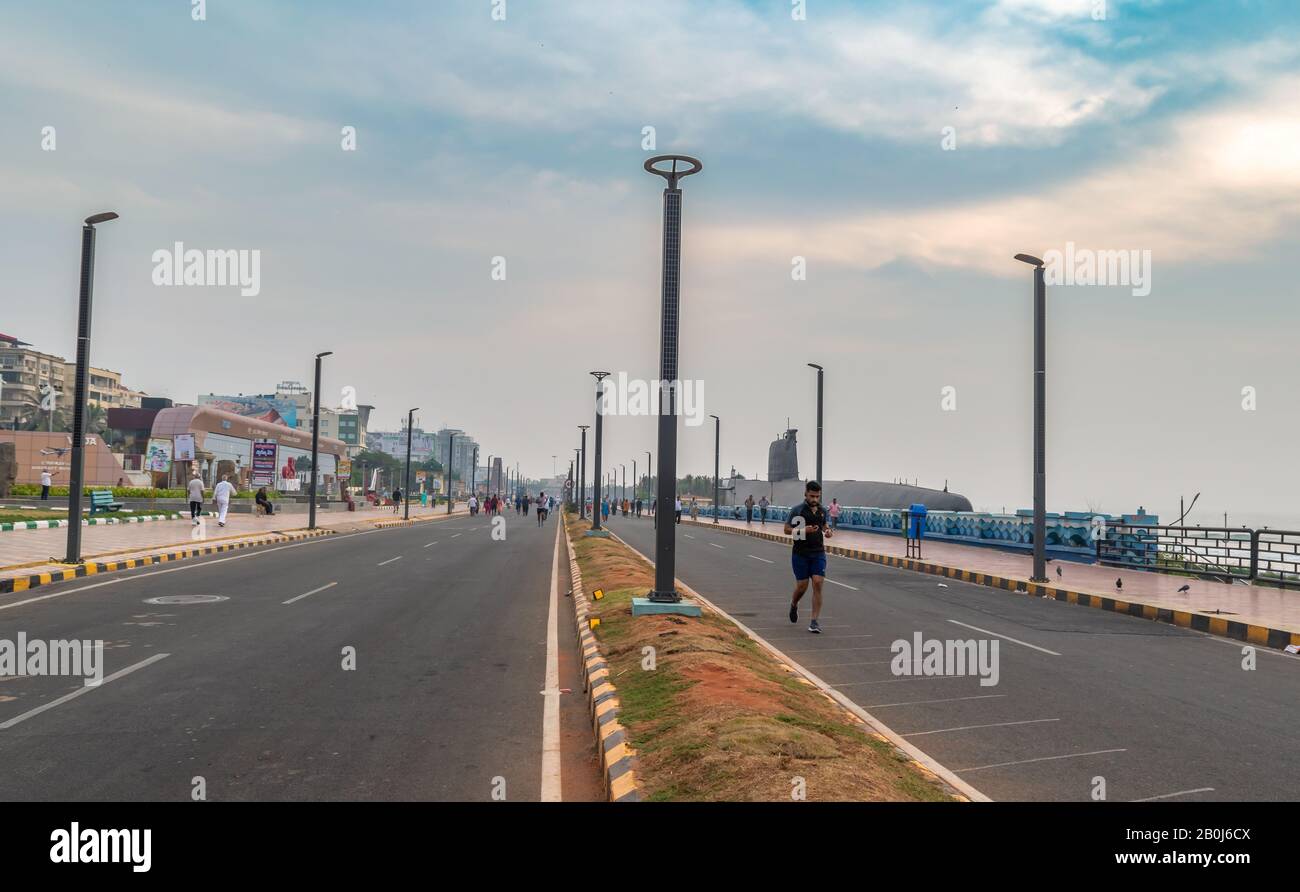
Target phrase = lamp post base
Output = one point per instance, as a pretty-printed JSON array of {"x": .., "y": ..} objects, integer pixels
[
  {"x": 655, "y": 605},
  {"x": 600, "y": 534}
]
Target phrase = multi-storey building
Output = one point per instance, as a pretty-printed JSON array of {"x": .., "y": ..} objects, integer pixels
[{"x": 30, "y": 377}]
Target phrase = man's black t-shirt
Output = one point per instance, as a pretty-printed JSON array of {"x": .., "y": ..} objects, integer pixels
[{"x": 812, "y": 517}]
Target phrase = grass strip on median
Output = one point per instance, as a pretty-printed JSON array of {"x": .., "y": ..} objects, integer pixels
[{"x": 717, "y": 718}]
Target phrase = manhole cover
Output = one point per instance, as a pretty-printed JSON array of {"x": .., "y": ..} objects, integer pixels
[{"x": 186, "y": 599}]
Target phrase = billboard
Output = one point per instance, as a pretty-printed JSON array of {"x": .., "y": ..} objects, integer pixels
[
  {"x": 264, "y": 461},
  {"x": 184, "y": 447},
  {"x": 269, "y": 409}
]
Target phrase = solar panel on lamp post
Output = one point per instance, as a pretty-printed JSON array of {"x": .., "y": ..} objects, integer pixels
[{"x": 665, "y": 589}]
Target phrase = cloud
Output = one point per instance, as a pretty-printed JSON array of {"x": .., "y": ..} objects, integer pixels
[{"x": 1225, "y": 181}]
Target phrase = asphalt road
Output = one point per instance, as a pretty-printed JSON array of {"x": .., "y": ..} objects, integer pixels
[
  {"x": 449, "y": 630},
  {"x": 1156, "y": 711}
]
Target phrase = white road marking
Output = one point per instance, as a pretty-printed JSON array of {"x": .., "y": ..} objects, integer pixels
[
  {"x": 845, "y": 585},
  {"x": 431, "y": 543},
  {"x": 794, "y": 627},
  {"x": 823, "y": 650},
  {"x": 551, "y": 787},
  {"x": 455, "y": 535},
  {"x": 944, "y": 700},
  {"x": 757, "y": 558},
  {"x": 976, "y": 727},
  {"x": 1041, "y": 759},
  {"x": 312, "y": 592},
  {"x": 850, "y": 684},
  {"x": 79, "y": 691},
  {"x": 1007, "y": 638},
  {"x": 715, "y": 545},
  {"x": 1179, "y": 793},
  {"x": 151, "y": 573},
  {"x": 389, "y": 561},
  {"x": 688, "y": 536}
]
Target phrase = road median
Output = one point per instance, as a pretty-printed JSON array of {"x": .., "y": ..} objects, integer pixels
[{"x": 707, "y": 714}]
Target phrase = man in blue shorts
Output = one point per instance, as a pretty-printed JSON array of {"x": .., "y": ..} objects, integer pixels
[{"x": 807, "y": 523}]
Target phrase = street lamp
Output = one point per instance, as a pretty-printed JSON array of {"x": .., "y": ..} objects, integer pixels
[
  {"x": 649, "y": 492},
  {"x": 665, "y": 589},
  {"x": 406, "y": 489},
  {"x": 451, "y": 442},
  {"x": 83, "y": 376},
  {"x": 473, "y": 473},
  {"x": 622, "y": 491},
  {"x": 820, "y": 372},
  {"x": 595, "y": 471},
  {"x": 717, "y": 449},
  {"x": 315, "y": 442},
  {"x": 582, "y": 475},
  {"x": 1040, "y": 418}
]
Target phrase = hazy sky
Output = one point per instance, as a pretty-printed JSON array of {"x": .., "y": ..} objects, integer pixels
[{"x": 1170, "y": 127}]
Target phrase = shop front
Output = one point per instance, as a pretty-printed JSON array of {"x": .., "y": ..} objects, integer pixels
[{"x": 249, "y": 452}]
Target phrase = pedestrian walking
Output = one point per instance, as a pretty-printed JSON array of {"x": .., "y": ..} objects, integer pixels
[
  {"x": 749, "y": 508},
  {"x": 762, "y": 511},
  {"x": 221, "y": 495},
  {"x": 194, "y": 492},
  {"x": 677, "y": 509},
  {"x": 397, "y": 500},
  {"x": 835, "y": 514}
]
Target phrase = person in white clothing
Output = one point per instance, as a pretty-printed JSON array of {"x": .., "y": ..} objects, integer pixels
[
  {"x": 221, "y": 495},
  {"x": 195, "y": 492}
]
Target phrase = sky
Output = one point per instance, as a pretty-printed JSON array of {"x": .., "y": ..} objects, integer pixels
[{"x": 904, "y": 151}]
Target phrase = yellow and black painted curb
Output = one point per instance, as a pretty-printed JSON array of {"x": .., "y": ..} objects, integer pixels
[
  {"x": 617, "y": 758},
  {"x": 1251, "y": 633},
  {"x": 92, "y": 568}
]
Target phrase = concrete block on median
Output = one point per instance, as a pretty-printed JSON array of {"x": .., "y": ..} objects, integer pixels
[{"x": 646, "y": 607}]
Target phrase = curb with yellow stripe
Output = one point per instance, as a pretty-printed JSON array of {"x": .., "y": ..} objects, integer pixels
[
  {"x": 1263, "y": 636},
  {"x": 617, "y": 758},
  {"x": 23, "y": 583}
]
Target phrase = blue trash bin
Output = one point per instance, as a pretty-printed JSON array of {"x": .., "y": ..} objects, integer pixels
[{"x": 916, "y": 521}]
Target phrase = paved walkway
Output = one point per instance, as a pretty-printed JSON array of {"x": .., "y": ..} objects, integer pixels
[
  {"x": 30, "y": 552},
  {"x": 1254, "y": 604}
]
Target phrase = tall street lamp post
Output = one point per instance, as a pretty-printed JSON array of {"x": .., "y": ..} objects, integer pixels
[
  {"x": 717, "y": 451},
  {"x": 665, "y": 590},
  {"x": 820, "y": 373},
  {"x": 315, "y": 442},
  {"x": 406, "y": 489},
  {"x": 595, "y": 472},
  {"x": 83, "y": 376},
  {"x": 1040, "y": 417},
  {"x": 582, "y": 475}
]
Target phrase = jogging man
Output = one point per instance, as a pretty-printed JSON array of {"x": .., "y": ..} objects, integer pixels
[{"x": 807, "y": 523}]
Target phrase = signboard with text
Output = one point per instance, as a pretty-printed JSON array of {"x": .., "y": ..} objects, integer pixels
[
  {"x": 264, "y": 463},
  {"x": 184, "y": 447}
]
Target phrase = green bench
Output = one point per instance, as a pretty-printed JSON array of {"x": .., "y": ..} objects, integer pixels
[{"x": 102, "y": 500}]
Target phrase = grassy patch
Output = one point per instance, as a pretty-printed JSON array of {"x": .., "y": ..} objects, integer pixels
[
  {"x": 17, "y": 515},
  {"x": 717, "y": 718}
]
